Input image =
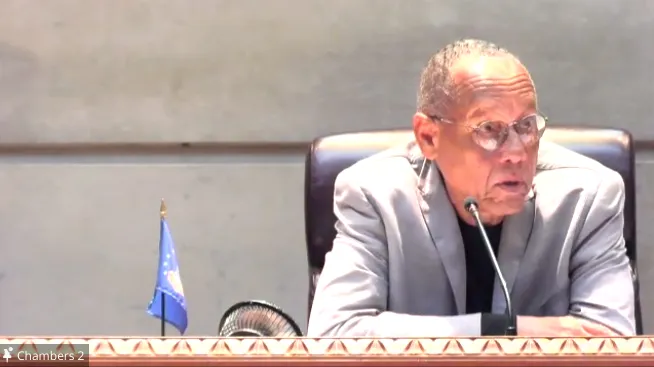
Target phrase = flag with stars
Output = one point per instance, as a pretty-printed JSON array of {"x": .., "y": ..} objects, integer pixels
[{"x": 168, "y": 302}]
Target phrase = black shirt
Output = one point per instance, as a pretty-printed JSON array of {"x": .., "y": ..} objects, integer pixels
[{"x": 480, "y": 276}]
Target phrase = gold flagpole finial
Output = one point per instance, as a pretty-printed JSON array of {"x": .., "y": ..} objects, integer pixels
[{"x": 162, "y": 209}]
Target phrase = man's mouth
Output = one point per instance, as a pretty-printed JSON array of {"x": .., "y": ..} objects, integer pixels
[{"x": 512, "y": 185}]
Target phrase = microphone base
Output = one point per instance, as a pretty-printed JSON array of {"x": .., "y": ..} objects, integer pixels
[{"x": 511, "y": 331}]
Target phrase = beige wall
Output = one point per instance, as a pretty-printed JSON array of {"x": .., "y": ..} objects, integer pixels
[{"x": 79, "y": 228}]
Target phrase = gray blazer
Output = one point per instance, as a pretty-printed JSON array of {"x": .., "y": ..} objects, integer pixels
[{"x": 397, "y": 267}]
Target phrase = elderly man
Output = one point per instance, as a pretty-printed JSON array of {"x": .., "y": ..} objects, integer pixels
[{"x": 408, "y": 260}]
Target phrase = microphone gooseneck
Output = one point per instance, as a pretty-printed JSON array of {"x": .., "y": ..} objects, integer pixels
[{"x": 471, "y": 206}]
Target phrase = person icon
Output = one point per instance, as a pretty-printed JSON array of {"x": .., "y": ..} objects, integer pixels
[{"x": 7, "y": 354}]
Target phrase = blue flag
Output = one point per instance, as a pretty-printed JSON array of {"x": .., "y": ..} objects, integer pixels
[{"x": 168, "y": 290}]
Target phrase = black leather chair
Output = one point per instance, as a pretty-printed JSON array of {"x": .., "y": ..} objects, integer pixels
[{"x": 328, "y": 156}]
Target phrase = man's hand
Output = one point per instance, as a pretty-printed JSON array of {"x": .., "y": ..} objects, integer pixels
[{"x": 532, "y": 326}]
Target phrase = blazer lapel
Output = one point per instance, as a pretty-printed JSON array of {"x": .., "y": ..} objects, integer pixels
[
  {"x": 443, "y": 227},
  {"x": 516, "y": 231}
]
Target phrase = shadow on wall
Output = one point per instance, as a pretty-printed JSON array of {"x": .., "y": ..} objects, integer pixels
[
  {"x": 375, "y": 73},
  {"x": 356, "y": 81},
  {"x": 19, "y": 70}
]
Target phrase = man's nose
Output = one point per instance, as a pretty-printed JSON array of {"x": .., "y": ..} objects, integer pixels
[{"x": 513, "y": 150}]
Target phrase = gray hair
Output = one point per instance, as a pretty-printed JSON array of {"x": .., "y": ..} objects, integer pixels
[{"x": 436, "y": 88}]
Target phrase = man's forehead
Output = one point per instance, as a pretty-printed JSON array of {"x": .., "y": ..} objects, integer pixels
[
  {"x": 487, "y": 67},
  {"x": 480, "y": 80}
]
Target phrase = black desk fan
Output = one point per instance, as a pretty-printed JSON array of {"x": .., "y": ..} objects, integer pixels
[{"x": 257, "y": 319}]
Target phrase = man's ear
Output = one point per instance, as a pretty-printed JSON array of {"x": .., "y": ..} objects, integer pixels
[{"x": 427, "y": 135}]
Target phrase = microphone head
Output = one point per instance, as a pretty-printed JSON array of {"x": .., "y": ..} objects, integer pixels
[{"x": 470, "y": 204}]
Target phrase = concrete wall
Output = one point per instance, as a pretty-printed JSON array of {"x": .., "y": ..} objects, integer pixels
[{"x": 251, "y": 79}]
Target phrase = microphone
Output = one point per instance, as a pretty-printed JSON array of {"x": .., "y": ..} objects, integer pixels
[{"x": 471, "y": 206}]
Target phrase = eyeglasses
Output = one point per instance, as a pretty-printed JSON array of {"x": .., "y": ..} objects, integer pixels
[{"x": 491, "y": 135}]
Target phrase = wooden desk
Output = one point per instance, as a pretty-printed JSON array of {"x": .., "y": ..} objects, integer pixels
[{"x": 609, "y": 352}]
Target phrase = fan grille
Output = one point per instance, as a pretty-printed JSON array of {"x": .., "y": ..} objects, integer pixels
[{"x": 257, "y": 320}]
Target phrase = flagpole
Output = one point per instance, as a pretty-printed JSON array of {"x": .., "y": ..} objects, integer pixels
[{"x": 162, "y": 213}]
